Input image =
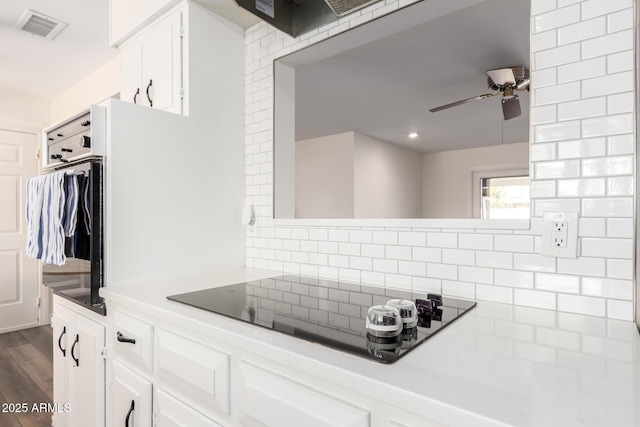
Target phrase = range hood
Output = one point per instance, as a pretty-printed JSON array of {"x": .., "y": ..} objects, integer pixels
[{"x": 296, "y": 17}]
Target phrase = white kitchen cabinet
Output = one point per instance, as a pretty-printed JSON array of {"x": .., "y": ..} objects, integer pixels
[
  {"x": 131, "y": 398},
  {"x": 188, "y": 60},
  {"x": 79, "y": 366},
  {"x": 126, "y": 17},
  {"x": 152, "y": 66},
  {"x": 171, "y": 412}
]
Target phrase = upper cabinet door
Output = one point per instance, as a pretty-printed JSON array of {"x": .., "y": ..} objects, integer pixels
[
  {"x": 162, "y": 65},
  {"x": 131, "y": 82},
  {"x": 128, "y": 16}
]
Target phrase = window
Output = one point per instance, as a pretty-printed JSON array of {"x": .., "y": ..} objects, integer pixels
[{"x": 504, "y": 197}]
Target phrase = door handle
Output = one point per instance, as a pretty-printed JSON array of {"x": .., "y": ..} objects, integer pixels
[
  {"x": 135, "y": 97},
  {"x": 121, "y": 338},
  {"x": 131, "y": 408},
  {"x": 73, "y": 347},
  {"x": 64, "y": 351},
  {"x": 149, "y": 96}
]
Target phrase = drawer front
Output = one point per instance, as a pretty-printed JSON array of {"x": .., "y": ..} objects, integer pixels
[
  {"x": 171, "y": 412},
  {"x": 270, "y": 399},
  {"x": 199, "y": 372},
  {"x": 133, "y": 338}
]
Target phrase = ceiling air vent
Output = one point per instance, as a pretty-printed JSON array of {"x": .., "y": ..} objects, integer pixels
[{"x": 40, "y": 24}]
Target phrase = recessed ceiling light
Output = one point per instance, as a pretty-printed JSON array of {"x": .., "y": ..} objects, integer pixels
[{"x": 413, "y": 135}]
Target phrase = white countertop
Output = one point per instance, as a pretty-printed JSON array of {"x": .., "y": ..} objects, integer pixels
[{"x": 498, "y": 365}]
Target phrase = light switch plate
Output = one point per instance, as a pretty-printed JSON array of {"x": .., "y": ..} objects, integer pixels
[{"x": 560, "y": 234}]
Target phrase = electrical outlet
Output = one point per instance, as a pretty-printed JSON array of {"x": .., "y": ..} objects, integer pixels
[{"x": 560, "y": 234}]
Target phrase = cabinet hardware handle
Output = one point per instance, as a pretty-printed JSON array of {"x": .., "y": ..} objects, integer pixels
[
  {"x": 131, "y": 408},
  {"x": 135, "y": 97},
  {"x": 64, "y": 351},
  {"x": 67, "y": 150},
  {"x": 87, "y": 122},
  {"x": 123, "y": 339},
  {"x": 148, "y": 96},
  {"x": 73, "y": 356}
]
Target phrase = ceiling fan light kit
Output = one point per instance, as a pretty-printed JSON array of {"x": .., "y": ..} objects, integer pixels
[{"x": 504, "y": 81}]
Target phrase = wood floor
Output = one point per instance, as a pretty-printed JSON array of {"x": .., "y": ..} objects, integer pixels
[{"x": 26, "y": 376}]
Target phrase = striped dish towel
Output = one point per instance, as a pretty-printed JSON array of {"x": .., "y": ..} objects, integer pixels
[{"x": 45, "y": 210}]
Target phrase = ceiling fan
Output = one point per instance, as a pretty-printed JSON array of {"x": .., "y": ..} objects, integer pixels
[{"x": 504, "y": 81}]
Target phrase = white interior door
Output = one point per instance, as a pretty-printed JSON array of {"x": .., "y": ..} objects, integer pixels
[{"x": 18, "y": 274}]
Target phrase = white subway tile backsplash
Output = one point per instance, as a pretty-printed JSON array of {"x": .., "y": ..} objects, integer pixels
[
  {"x": 606, "y": 85},
  {"x": 582, "y": 266},
  {"x": 620, "y": 186},
  {"x": 535, "y": 299},
  {"x": 556, "y": 18},
  {"x": 412, "y": 238},
  {"x": 582, "y": 115},
  {"x": 581, "y": 109},
  {"x": 581, "y": 148},
  {"x": 531, "y": 262},
  {"x": 619, "y": 62},
  {"x": 591, "y": 227},
  {"x": 582, "y": 31},
  {"x": 593, "y": 8},
  {"x": 442, "y": 271},
  {"x": 620, "y": 103},
  {"x": 582, "y": 70},
  {"x": 607, "y": 248},
  {"x": 608, "y": 288},
  {"x": 494, "y": 259},
  {"x": 608, "y": 207},
  {"x": 608, "y": 44},
  {"x": 459, "y": 289},
  {"x": 609, "y": 125},
  {"x": 442, "y": 240},
  {"x": 475, "y": 241},
  {"x": 543, "y": 189},
  {"x": 458, "y": 256},
  {"x": 555, "y": 94},
  {"x": 557, "y": 169},
  {"x": 475, "y": 274},
  {"x": 494, "y": 293},
  {"x": 620, "y": 269},
  {"x": 513, "y": 278},
  {"x": 557, "y": 283},
  {"x": 581, "y": 187},
  {"x": 582, "y": 305},
  {"x": 513, "y": 243},
  {"x": 412, "y": 268},
  {"x": 541, "y": 152}
]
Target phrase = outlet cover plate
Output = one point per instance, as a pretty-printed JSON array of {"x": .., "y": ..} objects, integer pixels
[{"x": 548, "y": 233}]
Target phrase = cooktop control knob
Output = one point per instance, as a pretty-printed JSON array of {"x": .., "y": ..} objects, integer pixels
[
  {"x": 436, "y": 299},
  {"x": 407, "y": 310},
  {"x": 85, "y": 141},
  {"x": 424, "y": 308},
  {"x": 383, "y": 321}
]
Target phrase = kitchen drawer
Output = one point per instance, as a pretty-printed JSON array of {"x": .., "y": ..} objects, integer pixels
[
  {"x": 194, "y": 370},
  {"x": 271, "y": 399},
  {"x": 171, "y": 412},
  {"x": 133, "y": 338}
]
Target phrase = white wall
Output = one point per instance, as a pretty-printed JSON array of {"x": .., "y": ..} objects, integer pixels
[
  {"x": 20, "y": 112},
  {"x": 388, "y": 180},
  {"x": 582, "y": 155},
  {"x": 324, "y": 177},
  {"x": 101, "y": 84},
  {"x": 448, "y": 176}
]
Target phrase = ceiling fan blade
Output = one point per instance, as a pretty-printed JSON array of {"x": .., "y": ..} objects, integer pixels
[
  {"x": 511, "y": 107},
  {"x": 464, "y": 101},
  {"x": 502, "y": 76}
]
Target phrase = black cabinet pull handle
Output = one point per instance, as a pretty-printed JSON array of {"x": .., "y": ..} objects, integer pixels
[
  {"x": 148, "y": 96},
  {"x": 64, "y": 351},
  {"x": 73, "y": 347},
  {"x": 123, "y": 339},
  {"x": 131, "y": 408},
  {"x": 135, "y": 97}
]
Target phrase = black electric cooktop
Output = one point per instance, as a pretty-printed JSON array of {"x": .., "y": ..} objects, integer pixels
[{"x": 325, "y": 312}]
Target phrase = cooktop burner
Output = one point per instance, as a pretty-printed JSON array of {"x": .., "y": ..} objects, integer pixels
[{"x": 328, "y": 312}]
